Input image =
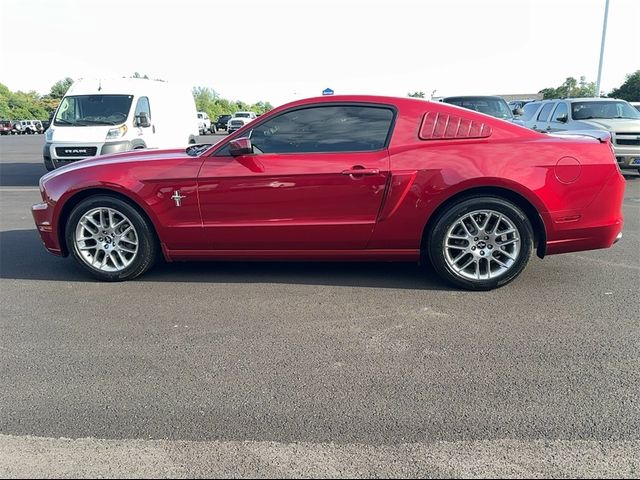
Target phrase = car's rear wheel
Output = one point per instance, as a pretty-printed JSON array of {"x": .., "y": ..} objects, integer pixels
[
  {"x": 110, "y": 238},
  {"x": 481, "y": 243}
]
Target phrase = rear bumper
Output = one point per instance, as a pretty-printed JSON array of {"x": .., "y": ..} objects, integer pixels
[
  {"x": 43, "y": 216},
  {"x": 592, "y": 238},
  {"x": 599, "y": 225}
]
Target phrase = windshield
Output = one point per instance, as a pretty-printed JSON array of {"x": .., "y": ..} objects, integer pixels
[
  {"x": 242, "y": 115},
  {"x": 496, "y": 107},
  {"x": 93, "y": 110},
  {"x": 604, "y": 109}
]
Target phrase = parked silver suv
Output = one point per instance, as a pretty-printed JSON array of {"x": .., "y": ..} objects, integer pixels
[{"x": 615, "y": 116}]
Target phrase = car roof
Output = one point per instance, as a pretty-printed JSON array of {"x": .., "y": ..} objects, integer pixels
[
  {"x": 581, "y": 99},
  {"x": 473, "y": 97}
]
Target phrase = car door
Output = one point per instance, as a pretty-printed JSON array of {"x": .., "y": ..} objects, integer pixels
[
  {"x": 541, "y": 123},
  {"x": 315, "y": 181},
  {"x": 559, "y": 118}
]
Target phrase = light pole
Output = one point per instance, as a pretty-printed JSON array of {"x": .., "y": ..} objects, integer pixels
[{"x": 604, "y": 35}]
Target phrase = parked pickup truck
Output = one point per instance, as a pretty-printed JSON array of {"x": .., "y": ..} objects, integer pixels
[
  {"x": 221, "y": 122},
  {"x": 239, "y": 120}
]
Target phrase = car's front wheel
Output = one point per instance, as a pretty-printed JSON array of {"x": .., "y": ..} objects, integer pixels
[
  {"x": 110, "y": 238},
  {"x": 480, "y": 243}
]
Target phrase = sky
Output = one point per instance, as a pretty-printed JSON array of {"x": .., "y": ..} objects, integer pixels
[{"x": 279, "y": 50}]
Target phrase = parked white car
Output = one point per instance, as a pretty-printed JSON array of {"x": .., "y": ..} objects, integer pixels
[
  {"x": 98, "y": 117},
  {"x": 239, "y": 120},
  {"x": 204, "y": 123}
]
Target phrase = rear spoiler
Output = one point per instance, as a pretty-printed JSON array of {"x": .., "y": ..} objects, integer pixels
[{"x": 601, "y": 135}]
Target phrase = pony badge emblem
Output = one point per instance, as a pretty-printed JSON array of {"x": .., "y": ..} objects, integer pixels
[{"x": 177, "y": 197}]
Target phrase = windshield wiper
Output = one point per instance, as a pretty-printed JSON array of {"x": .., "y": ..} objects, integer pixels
[
  {"x": 63, "y": 121},
  {"x": 94, "y": 122}
]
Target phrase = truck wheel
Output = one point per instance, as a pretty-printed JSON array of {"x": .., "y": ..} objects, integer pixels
[{"x": 48, "y": 164}]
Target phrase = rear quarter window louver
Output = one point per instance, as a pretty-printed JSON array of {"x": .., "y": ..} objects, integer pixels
[{"x": 442, "y": 126}]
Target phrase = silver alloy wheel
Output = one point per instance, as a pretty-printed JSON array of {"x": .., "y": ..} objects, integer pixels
[
  {"x": 482, "y": 245},
  {"x": 106, "y": 239}
]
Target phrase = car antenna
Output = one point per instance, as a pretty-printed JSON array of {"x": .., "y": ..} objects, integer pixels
[{"x": 99, "y": 84}]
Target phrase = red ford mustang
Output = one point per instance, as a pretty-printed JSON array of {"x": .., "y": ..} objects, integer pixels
[{"x": 343, "y": 178}]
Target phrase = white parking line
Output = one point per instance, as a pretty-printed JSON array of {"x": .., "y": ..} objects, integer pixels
[
  {"x": 605, "y": 262},
  {"x": 37, "y": 457},
  {"x": 19, "y": 189}
]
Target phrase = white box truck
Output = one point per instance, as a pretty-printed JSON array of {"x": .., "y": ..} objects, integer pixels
[{"x": 103, "y": 116}]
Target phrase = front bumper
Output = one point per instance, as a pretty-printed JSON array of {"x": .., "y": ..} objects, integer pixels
[
  {"x": 627, "y": 156},
  {"x": 43, "y": 216},
  {"x": 628, "y": 161}
]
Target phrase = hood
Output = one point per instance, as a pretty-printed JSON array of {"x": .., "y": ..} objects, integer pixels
[
  {"x": 614, "y": 124},
  {"x": 79, "y": 134},
  {"x": 120, "y": 160}
]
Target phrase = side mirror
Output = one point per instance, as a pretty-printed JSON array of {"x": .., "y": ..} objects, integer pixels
[
  {"x": 240, "y": 146},
  {"x": 518, "y": 111},
  {"x": 143, "y": 120},
  {"x": 562, "y": 118}
]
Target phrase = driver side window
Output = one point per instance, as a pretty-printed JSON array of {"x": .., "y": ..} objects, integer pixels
[{"x": 320, "y": 129}]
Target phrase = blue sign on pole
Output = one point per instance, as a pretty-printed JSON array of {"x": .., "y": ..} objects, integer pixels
[{"x": 327, "y": 91}]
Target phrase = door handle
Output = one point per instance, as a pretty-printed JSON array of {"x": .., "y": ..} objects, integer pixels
[
  {"x": 154, "y": 128},
  {"x": 359, "y": 170}
]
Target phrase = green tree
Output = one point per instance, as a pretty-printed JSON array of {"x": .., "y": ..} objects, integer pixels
[
  {"x": 5, "y": 94},
  {"x": 571, "y": 88},
  {"x": 630, "y": 89},
  {"x": 416, "y": 94},
  {"x": 60, "y": 88},
  {"x": 208, "y": 100}
]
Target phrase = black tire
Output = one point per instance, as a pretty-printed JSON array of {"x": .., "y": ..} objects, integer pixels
[
  {"x": 48, "y": 164},
  {"x": 436, "y": 240},
  {"x": 147, "y": 243}
]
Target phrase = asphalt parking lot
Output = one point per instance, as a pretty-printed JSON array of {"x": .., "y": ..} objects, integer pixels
[{"x": 313, "y": 369}]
